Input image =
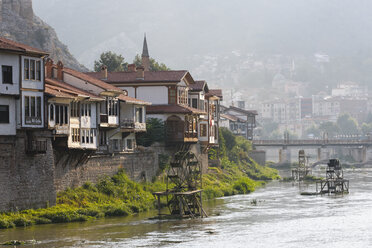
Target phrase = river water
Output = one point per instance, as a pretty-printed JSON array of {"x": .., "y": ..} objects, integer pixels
[{"x": 281, "y": 218}]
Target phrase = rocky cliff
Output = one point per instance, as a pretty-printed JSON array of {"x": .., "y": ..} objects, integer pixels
[{"x": 18, "y": 22}]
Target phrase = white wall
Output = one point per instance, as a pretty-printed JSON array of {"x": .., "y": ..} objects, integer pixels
[
  {"x": 78, "y": 83},
  {"x": 10, "y": 60},
  {"x": 32, "y": 84},
  {"x": 9, "y": 128},
  {"x": 130, "y": 90},
  {"x": 153, "y": 94}
]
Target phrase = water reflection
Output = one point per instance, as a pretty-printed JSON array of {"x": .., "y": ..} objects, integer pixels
[{"x": 281, "y": 218}]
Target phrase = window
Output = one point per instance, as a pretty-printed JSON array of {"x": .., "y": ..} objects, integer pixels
[
  {"x": 38, "y": 70},
  {"x": 139, "y": 115},
  {"x": 32, "y": 69},
  {"x": 33, "y": 104},
  {"x": 51, "y": 112},
  {"x": 27, "y": 106},
  {"x": 182, "y": 95},
  {"x": 83, "y": 136},
  {"x": 203, "y": 130},
  {"x": 27, "y": 69},
  {"x": 172, "y": 96},
  {"x": 75, "y": 135},
  {"x": 7, "y": 74},
  {"x": 75, "y": 109},
  {"x": 91, "y": 136},
  {"x": 61, "y": 114},
  {"x": 4, "y": 113},
  {"x": 38, "y": 106},
  {"x": 57, "y": 115},
  {"x": 194, "y": 103}
]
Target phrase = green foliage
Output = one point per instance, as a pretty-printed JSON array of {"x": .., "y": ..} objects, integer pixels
[
  {"x": 113, "y": 61},
  {"x": 111, "y": 196},
  {"x": 238, "y": 171},
  {"x": 244, "y": 185},
  {"x": 154, "y": 65},
  {"x": 155, "y": 132},
  {"x": 347, "y": 124},
  {"x": 228, "y": 137}
]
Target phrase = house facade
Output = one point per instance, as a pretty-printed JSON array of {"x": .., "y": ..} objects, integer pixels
[
  {"x": 26, "y": 153},
  {"x": 99, "y": 116}
]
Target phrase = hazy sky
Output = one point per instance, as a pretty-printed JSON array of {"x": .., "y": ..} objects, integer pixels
[{"x": 179, "y": 28}]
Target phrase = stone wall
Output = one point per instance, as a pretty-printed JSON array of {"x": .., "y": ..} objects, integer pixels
[
  {"x": 26, "y": 180},
  {"x": 71, "y": 173}
]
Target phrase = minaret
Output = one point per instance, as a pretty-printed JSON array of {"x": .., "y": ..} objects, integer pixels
[{"x": 145, "y": 56}]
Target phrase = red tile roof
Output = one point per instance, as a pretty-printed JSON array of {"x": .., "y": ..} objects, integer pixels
[
  {"x": 92, "y": 80},
  {"x": 215, "y": 92},
  {"x": 173, "y": 109},
  {"x": 248, "y": 112},
  {"x": 232, "y": 118},
  {"x": 6, "y": 44},
  {"x": 199, "y": 86},
  {"x": 58, "y": 92},
  {"x": 71, "y": 89},
  {"x": 150, "y": 76}
]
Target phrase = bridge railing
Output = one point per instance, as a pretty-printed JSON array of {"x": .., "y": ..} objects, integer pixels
[{"x": 311, "y": 142}]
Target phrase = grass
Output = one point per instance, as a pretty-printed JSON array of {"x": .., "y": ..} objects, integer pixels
[
  {"x": 111, "y": 196},
  {"x": 233, "y": 178},
  {"x": 120, "y": 196}
]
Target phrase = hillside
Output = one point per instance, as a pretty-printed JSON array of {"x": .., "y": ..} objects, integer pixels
[{"x": 18, "y": 22}]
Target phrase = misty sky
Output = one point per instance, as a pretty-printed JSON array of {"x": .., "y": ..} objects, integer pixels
[{"x": 178, "y": 28}]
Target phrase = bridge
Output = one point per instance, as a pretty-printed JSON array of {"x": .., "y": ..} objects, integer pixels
[
  {"x": 312, "y": 142},
  {"x": 360, "y": 149}
]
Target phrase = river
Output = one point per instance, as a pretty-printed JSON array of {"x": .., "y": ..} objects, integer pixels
[{"x": 281, "y": 218}]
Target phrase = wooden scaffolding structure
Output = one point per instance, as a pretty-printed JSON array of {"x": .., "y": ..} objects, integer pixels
[
  {"x": 334, "y": 182},
  {"x": 184, "y": 186},
  {"x": 303, "y": 169}
]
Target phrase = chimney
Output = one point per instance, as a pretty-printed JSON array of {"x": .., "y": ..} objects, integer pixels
[
  {"x": 131, "y": 67},
  {"x": 140, "y": 73},
  {"x": 104, "y": 72},
  {"x": 60, "y": 71},
  {"x": 49, "y": 68}
]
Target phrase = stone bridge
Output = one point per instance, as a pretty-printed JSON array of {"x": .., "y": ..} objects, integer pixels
[{"x": 361, "y": 149}]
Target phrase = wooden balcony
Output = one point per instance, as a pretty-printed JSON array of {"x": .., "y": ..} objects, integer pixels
[
  {"x": 131, "y": 126},
  {"x": 108, "y": 120}
]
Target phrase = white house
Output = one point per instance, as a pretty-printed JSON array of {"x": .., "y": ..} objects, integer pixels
[{"x": 21, "y": 87}]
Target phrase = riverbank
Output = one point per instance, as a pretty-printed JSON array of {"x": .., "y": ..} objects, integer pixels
[{"x": 120, "y": 196}]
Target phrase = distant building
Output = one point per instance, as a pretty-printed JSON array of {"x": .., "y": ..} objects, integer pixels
[
  {"x": 350, "y": 89},
  {"x": 240, "y": 121}
]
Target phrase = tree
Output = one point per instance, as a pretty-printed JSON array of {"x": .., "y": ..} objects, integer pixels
[
  {"x": 154, "y": 65},
  {"x": 229, "y": 138},
  {"x": 155, "y": 132},
  {"x": 347, "y": 124},
  {"x": 330, "y": 128},
  {"x": 113, "y": 61}
]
